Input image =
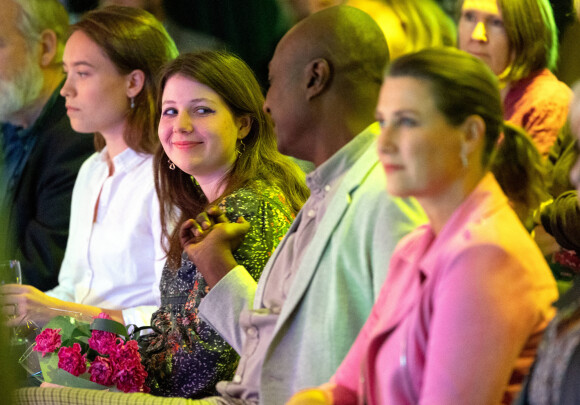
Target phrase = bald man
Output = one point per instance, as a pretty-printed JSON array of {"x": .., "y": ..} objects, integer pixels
[{"x": 299, "y": 321}]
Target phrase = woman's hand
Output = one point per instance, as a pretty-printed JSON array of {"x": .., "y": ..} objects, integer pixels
[
  {"x": 193, "y": 230},
  {"x": 209, "y": 241},
  {"x": 21, "y": 303}
]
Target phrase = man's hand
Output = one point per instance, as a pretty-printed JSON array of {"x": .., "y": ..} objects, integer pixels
[{"x": 209, "y": 241}]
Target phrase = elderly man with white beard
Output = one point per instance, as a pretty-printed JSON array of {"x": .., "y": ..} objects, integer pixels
[{"x": 40, "y": 154}]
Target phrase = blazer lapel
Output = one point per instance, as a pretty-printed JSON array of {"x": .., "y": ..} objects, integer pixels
[{"x": 335, "y": 211}]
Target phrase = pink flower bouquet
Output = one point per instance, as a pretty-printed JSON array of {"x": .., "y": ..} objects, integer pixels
[{"x": 99, "y": 355}]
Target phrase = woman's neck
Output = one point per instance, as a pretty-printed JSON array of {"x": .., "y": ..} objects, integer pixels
[
  {"x": 115, "y": 146},
  {"x": 212, "y": 186},
  {"x": 441, "y": 206}
]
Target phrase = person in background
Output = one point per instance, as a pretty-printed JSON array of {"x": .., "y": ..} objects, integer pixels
[
  {"x": 560, "y": 216},
  {"x": 518, "y": 40},
  {"x": 114, "y": 257},
  {"x": 408, "y": 25},
  {"x": 40, "y": 154},
  {"x": 466, "y": 295},
  {"x": 554, "y": 377}
]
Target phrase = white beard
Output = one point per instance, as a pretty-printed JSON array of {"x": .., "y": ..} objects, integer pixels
[{"x": 23, "y": 90}]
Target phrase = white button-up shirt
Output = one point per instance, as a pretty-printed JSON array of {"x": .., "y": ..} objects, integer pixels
[{"x": 115, "y": 261}]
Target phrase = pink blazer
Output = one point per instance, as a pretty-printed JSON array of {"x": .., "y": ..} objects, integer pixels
[{"x": 458, "y": 316}]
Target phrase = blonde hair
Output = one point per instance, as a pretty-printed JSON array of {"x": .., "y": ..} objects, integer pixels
[{"x": 423, "y": 23}]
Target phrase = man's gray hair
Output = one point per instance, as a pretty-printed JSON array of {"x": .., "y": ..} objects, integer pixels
[{"x": 35, "y": 16}]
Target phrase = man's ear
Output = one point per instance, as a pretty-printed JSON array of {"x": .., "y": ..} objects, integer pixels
[
  {"x": 135, "y": 82},
  {"x": 49, "y": 47},
  {"x": 318, "y": 74},
  {"x": 244, "y": 124}
]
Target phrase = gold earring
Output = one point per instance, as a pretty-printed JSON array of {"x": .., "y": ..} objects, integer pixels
[{"x": 241, "y": 148}]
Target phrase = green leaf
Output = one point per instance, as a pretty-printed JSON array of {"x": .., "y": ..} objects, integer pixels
[
  {"x": 108, "y": 325},
  {"x": 70, "y": 328},
  {"x": 62, "y": 377}
]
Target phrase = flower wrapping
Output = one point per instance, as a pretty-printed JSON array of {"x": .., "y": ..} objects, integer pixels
[{"x": 98, "y": 355}]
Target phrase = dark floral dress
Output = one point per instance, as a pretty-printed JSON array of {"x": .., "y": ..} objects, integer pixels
[{"x": 185, "y": 357}]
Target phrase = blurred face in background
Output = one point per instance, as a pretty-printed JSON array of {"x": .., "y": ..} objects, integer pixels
[
  {"x": 21, "y": 77},
  {"x": 482, "y": 34}
]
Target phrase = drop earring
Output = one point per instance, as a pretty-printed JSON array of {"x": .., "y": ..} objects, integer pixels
[
  {"x": 463, "y": 157},
  {"x": 171, "y": 164},
  {"x": 241, "y": 148},
  {"x": 132, "y": 102}
]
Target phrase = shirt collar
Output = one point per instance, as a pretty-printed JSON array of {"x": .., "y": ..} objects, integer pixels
[
  {"x": 342, "y": 160},
  {"x": 124, "y": 161}
]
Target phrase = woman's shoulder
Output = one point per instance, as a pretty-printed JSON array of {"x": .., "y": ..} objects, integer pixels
[
  {"x": 545, "y": 87},
  {"x": 256, "y": 197},
  {"x": 256, "y": 192}
]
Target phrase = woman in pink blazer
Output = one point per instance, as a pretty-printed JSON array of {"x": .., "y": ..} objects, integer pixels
[{"x": 467, "y": 295}]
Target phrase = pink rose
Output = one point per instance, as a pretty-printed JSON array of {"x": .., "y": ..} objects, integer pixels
[
  {"x": 126, "y": 352},
  {"x": 129, "y": 372},
  {"x": 71, "y": 360},
  {"x": 48, "y": 341},
  {"x": 100, "y": 340},
  {"x": 130, "y": 379},
  {"x": 101, "y": 371},
  {"x": 103, "y": 342}
]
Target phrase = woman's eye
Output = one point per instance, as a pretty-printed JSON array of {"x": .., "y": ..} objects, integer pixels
[
  {"x": 169, "y": 111},
  {"x": 496, "y": 22},
  {"x": 468, "y": 16},
  {"x": 203, "y": 110},
  {"x": 407, "y": 122}
]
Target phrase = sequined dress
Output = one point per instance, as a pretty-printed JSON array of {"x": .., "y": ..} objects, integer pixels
[{"x": 184, "y": 356}]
